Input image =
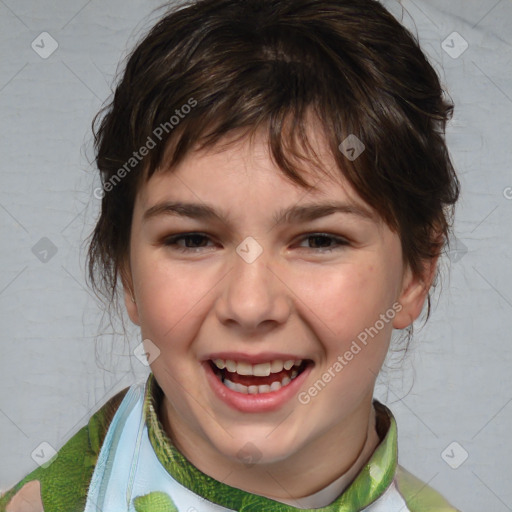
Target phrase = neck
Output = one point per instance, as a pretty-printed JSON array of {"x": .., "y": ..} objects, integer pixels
[{"x": 333, "y": 460}]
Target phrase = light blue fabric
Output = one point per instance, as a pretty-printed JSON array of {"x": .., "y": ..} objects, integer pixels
[{"x": 128, "y": 466}]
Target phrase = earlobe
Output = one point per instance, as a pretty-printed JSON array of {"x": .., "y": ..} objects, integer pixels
[
  {"x": 411, "y": 302},
  {"x": 414, "y": 292},
  {"x": 131, "y": 306},
  {"x": 129, "y": 298}
]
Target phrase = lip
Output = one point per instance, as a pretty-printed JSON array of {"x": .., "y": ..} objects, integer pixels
[
  {"x": 264, "y": 402},
  {"x": 262, "y": 357}
]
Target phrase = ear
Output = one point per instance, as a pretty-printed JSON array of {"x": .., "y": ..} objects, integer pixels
[
  {"x": 414, "y": 292},
  {"x": 128, "y": 292}
]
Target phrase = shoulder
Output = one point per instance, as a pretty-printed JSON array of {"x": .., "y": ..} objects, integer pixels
[
  {"x": 406, "y": 492},
  {"x": 62, "y": 484},
  {"x": 419, "y": 496}
]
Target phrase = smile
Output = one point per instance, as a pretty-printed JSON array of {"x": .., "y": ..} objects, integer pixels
[{"x": 261, "y": 378}]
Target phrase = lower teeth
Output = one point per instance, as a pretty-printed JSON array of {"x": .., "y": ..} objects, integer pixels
[{"x": 265, "y": 388}]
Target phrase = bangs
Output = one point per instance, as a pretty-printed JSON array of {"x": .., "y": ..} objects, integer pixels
[
  {"x": 213, "y": 72},
  {"x": 285, "y": 89}
]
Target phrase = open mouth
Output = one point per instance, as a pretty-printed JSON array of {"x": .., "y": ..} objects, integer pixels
[{"x": 270, "y": 376}]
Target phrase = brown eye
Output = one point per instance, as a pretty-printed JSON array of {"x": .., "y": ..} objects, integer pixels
[
  {"x": 325, "y": 242},
  {"x": 192, "y": 241}
]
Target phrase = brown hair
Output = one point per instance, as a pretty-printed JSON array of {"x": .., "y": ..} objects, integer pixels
[{"x": 267, "y": 64}]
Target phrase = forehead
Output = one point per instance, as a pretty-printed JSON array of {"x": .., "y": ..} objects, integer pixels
[
  {"x": 238, "y": 184},
  {"x": 245, "y": 162}
]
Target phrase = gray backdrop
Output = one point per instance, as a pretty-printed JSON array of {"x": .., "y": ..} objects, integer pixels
[{"x": 451, "y": 396}]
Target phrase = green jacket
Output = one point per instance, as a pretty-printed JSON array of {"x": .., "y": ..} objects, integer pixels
[{"x": 65, "y": 479}]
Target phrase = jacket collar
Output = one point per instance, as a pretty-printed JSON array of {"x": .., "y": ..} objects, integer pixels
[{"x": 370, "y": 483}]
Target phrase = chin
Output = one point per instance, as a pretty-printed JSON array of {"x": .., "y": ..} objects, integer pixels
[{"x": 253, "y": 449}]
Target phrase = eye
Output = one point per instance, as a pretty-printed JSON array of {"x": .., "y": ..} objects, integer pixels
[
  {"x": 196, "y": 242},
  {"x": 325, "y": 242},
  {"x": 193, "y": 242}
]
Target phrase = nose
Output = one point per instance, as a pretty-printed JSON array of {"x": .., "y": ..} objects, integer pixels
[{"x": 255, "y": 297}]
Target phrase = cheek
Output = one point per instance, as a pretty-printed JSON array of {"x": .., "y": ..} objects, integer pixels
[
  {"x": 348, "y": 299},
  {"x": 347, "y": 320},
  {"x": 170, "y": 297},
  {"x": 344, "y": 310}
]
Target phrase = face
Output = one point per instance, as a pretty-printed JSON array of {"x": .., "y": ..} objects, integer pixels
[{"x": 232, "y": 265}]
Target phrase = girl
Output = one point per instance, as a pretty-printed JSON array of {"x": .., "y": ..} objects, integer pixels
[{"x": 276, "y": 194}]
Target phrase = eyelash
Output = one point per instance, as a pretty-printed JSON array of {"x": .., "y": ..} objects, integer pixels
[{"x": 172, "y": 241}]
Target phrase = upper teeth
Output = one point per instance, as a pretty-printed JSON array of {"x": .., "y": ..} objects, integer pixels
[{"x": 259, "y": 370}]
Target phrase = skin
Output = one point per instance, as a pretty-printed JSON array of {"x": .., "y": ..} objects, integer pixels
[
  {"x": 27, "y": 499},
  {"x": 296, "y": 297}
]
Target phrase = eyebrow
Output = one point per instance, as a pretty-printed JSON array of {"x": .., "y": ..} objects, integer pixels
[{"x": 291, "y": 215}]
